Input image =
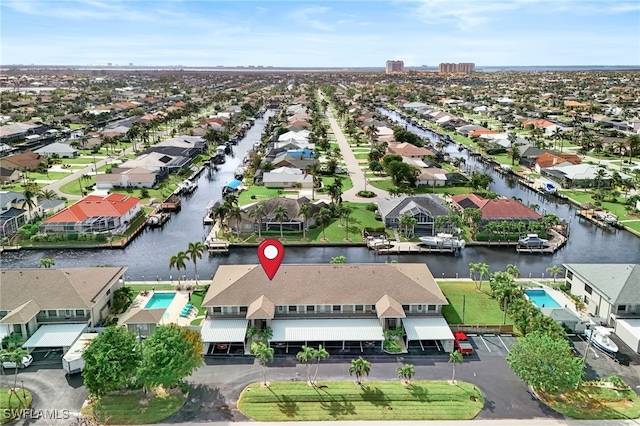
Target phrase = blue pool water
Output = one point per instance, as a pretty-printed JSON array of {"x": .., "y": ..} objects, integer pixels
[
  {"x": 160, "y": 301},
  {"x": 541, "y": 298}
]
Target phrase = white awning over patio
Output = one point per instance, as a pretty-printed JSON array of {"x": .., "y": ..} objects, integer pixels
[
  {"x": 326, "y": 330},
  {"x": 427, "y": 328},
  {"x": 55, "y": 336},
  {"x": 224, "y": 330}
]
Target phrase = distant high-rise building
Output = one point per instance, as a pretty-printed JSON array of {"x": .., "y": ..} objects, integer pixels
[
  {"x": 394, "y": 66},
  {"x": 130, "y": 64},
  {"x": 466, "y": 67},
  {"x": 109, "y": 64}
]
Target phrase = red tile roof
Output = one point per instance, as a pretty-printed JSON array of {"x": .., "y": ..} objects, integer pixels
[
  {"x": 475, "y": 199},
  {"x": 95, "y": 205},
  {"x": 549, "y": 160},
  {"x": 505, "y": 208},
  {"x": 538, "y": 123}
]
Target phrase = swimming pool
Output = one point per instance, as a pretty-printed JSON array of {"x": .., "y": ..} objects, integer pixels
[
  {"x": 541, "y": 299},
  {"x": 160, "y": 301}
]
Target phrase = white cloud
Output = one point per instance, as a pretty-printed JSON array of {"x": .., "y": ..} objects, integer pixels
[{"x": 306, "y": 15}]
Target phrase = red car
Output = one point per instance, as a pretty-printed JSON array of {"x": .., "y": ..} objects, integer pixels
[{"x": 461, "y": 343}]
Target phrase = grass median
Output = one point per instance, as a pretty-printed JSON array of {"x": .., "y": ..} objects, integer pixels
[{"x": 421, "y": 400}]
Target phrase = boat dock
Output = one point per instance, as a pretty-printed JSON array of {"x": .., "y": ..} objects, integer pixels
[
  {"x": 387, "y": 246},
  {"x": 555, "y": 243},
  {"x": 158, "y": 220},
  {"x": 171, "y": 204},
  {"x": 215, "y": 244},
  {"x": 595, "y": 217}
]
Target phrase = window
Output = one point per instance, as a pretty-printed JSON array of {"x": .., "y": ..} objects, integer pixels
[
  {"x": 373, "y": 308},
  {"x": 227, "y": 310},
  {"x": 217, "y": 309},
  {"x": 79, "y": 312},
  {"x": 243, "y": 309},
  {"x": 569, "y": 275},
  {"x": 419, "y": 308},
  {"x": 432, "y": 308},
  {"x": 588, "y": 289},
  {"x": 406, "y": 308},
  {"x": 280, "y": 309},
  {"x": 336, "y": 308},
  {"x": 293, "y": 309},
  {"x": 67, "y": 313},
  {"x": 359, "y": 308},
  {"x": 311, "y": 308},
  {"x": 52, "y": 313},
  {"x": 622, "y": 308},
  {"x": 108, "y": 292}
]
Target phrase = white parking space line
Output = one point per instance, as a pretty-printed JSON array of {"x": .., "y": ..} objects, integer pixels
[
  {"x": 505, "y": 346},
  {"x": 485, "y": 343}
]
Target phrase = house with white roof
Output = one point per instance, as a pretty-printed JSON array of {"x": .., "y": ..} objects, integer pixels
[
  {"x": 286, "y": 177},
  {"x": 62, "y": 150}
]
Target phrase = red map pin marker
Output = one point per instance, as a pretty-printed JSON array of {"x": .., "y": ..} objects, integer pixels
[{"x": 270, "y": 253}]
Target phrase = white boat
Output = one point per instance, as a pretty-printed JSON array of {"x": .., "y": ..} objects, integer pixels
[
  {"x": 532, "y": 240},
  {"x": 443, "y": 241},
  {"x": 187, "y": 187},
  {"x": 548, "y": 187},
  {"x": 601, "y": 338}
]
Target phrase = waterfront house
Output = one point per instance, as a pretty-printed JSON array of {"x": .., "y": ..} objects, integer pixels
[
  {"x": 570, "y": 175},
  {"x": 424, "y": 208},
  {"x": 158, "y": 162},
  {"x": 50, "y": 308},
  {"x": 409, "y": 150},
  {"x": 495, "y": 210},
  {"x": 15, "y": 212},
  {"x": 294, "y": 221},
  {"x": 611, "y": 294},
  {"x": 94, "y": 213},
  {"x": 346, "y": 308},
  {"x": 48, "y": 207}
]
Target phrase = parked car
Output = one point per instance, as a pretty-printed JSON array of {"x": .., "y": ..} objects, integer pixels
[
  {"x": 461, "y": 343},
  {"x": 26, "y": 361}
]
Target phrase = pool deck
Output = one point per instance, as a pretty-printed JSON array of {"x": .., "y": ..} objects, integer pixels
[
  {"x": 562, "y": 299},
  {"x": 172, "y": 312}
]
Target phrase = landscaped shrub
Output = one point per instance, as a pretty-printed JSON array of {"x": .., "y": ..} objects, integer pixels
[
  {"x": 372, "y": 207},
  {"x": 366, "y": 194}
]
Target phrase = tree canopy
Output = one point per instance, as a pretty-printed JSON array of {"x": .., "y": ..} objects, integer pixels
[
  {"x": 546, "y": 362},
  {"x": 110, "y": 361},
  {"x": 170, "y": 354}
]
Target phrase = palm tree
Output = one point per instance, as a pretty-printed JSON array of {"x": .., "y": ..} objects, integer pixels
[
  {"x": 555, "y": 270},
  {"x": 236, "y": 213},
  {"x": 359, "y": 367},
  {"x": 28, "y": 201},
  {"x": 345, "y": 212},
  {"x": 405, "y": 373},
  {"x": 314, "y": 171},
  {"x": 307, "y": 355},
  {"x": 304, "y": 212},
  {"x": 633, "y": 142},
  {"x": 513, "y": 270},
  {"x": 321, "y": 354},
  {"x": 481, "y": 269},
  {"x": 178, "y": 261},
  {"x": 280, "y": 214},
  {"x": 258, "y": 215},
  {"x": 16, "y": 356},
  {"x": 194, "y": 252},
  {"x": 263, "y": 354},
  {"x": 47, "y": 194},
  {"x": 323, "y": 217},
  {"x": 455, "y": 357}
]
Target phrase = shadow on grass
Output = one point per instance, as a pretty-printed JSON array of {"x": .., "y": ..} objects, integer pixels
[
  {"x": 451, "y": 315},
  {"x": 288, "y": 407},
  {"x": 419, "y": 392},
  {"x": 338, "y": 407},
  {"x": 375, "y": 396}
]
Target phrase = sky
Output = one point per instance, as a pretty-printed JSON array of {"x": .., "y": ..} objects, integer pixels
[{"x": 296, "y": 33}]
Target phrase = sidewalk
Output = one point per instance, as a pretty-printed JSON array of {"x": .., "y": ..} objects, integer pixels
[{"x": 355, "y": 172}]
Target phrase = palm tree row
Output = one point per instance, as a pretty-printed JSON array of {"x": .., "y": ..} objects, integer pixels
[{"x": 194, "y": 252}]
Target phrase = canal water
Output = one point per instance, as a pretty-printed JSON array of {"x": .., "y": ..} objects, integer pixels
[{"x": 147, "y": 257}]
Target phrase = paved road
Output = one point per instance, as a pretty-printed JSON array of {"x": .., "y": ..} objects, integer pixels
[{"x": 356, "y": 173}]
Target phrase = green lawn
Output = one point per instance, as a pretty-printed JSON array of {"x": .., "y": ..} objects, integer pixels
[
  {"x": 151, "y": 286},
  {"x": 335, "y": 233},
  {"x": 50, "y": 176},
  {"x": 346, "y": 181},
  {"x": 480, "y": 308},
  {"x": 455, "y": 190},
  {"x": 196, "y": 300},
  {"x": 387, "y": 401},
  {"x": 361, "y": 156},
  {"x": 79, "y": 160},
  {"x": 595, "y": 403},
  {"x": 506, "y": 159},
  {"x": 261, "y": 193},
  {"x": 21, "y": 400},
  {"x": 134, "y": 409},
  {"x": 618, "y": 209},
  {"x": 73, "y": 187}
]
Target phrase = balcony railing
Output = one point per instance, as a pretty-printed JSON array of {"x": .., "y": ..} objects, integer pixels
[{"x": 62, "y": 319}]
